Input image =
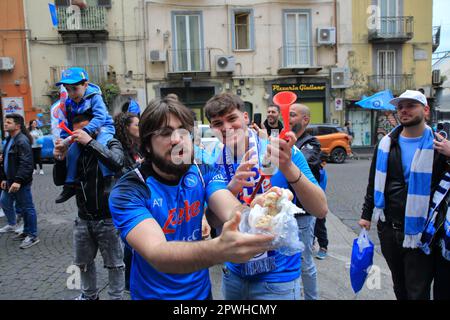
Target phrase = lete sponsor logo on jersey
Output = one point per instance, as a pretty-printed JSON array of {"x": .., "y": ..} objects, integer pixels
[{"x": 186, "y": 213}]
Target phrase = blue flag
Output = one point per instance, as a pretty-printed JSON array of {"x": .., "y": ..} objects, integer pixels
[
  {"x": 53, "y": 14},
  {"x": 134, "y": 107},
  {"x": 379, "y": 101}
]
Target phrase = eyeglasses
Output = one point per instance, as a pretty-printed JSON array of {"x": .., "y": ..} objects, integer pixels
[{"x": 167, "y": 132}]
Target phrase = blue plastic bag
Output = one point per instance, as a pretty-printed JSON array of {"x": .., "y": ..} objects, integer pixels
[{"x": 362, "y": 259}]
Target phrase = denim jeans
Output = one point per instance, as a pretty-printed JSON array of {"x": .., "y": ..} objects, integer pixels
[
  {"x": 309, "y": 272},
  {"x": 24, "y": 203},
  {"x": 88, "y": 238},
  {"x": 320, "y": 232},
  {"x": 236, "y": 288},
  {"x": 74, "y": 153}
]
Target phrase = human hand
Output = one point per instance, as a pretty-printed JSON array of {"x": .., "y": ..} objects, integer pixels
[
  {"x": 243, "y": 172},
  {"x": 280, "y": 151},
  {"x": 81, "y": 136},
  {"x": 363, "y": 223},
  {"x": 60, "y": 150},
  {"x": 240, "y": 247},
  {"x": 442, "y": 145},
  {"x": 206, "y": 229},
  {"x": 14, "y": 187},
  {"x": 3, "y": 185}
]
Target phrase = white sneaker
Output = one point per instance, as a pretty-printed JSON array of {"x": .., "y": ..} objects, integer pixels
[
  {"x": 8, "y": 228},
  {"x": 2, "y": 214},
  {"x": 34, "y": 171},
  {"x": 19, "y": 229},
  {"x": 41, "y": 172},
  {"x": 28, "y": 242}
]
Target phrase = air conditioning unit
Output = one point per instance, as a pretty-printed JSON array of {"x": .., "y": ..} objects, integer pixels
[
  {"x": 340, "y": 78},
  {"x": 326, "y": 36},
  {"x": 225, "y": 63},
  {"x": 6, "y": 63},
  {"x": 158, "y": 56},
  {"x": 436, "y": 77}
]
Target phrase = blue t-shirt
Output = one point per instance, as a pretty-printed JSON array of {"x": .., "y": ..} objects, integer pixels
[
  {"x": 408, "y": 146},
  {"x": 178, "y": 209},
  {"x": 287, "y": 267},
  {"x": 6, "y": 153}
]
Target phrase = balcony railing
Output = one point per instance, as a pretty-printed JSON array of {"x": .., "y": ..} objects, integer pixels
[
  {"x": 295, "y": 56},
  {"x": 392, "y": 29},
  {"x": 436, "y": 37},
  {"x": 189, "y": 61},
  {"x": 97, "y": 74},
  {"x": 396, "y": 83},
  {"x": 92, "y": 18}
]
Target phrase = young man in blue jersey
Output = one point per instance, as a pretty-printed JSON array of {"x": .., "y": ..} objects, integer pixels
[
  {"x": 270, "y": 275},
  {"x": 158, "y": 211}
]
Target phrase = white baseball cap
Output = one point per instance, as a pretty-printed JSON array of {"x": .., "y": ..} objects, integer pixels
[{"x": 410, "y": 95}]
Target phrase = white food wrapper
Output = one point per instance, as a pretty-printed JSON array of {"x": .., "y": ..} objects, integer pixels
[{"x": 283, "y": 225}]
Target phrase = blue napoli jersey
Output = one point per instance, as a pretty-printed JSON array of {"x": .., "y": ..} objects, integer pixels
[
  {"x": 178, "y": 209},
  {"x": 287, "y": 267}
]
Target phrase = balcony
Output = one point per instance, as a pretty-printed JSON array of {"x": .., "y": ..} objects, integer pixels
[
  {"x": 392, "y": 29},
  {"x": 436, "y": 37},
  {"x": 396, "y": 83},
  {"x": 97, "y": 74},
  {"x": 296, "y": 60},
  {"x": 86, "y": 25},
  {"x": 189, "y": 62}
]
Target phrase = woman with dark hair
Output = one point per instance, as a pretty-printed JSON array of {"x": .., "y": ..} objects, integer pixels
[
  {"x": 36, "y": 133},
  {"x": 127, "y": 132}
]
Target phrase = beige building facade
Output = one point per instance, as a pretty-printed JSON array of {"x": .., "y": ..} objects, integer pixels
[{"x": 251, "y": 48}]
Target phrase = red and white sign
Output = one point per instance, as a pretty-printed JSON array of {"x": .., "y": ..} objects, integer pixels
[
  {"x": 339, "y": 104},
  {"x": 12, "y": 105}
]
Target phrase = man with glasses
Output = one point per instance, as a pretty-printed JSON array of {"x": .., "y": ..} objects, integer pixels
[
  {"x": 405, "y": 171},
  {"x": 84, "y": 98}
]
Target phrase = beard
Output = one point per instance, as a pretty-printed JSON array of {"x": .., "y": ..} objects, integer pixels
[
  {"x": 296, "y": 127},
  {"x": 168, "y": 167},
  {"x": 413, "y": 122}
]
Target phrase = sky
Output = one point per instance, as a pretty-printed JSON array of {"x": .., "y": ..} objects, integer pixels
[{"x": 441, "y": 10}]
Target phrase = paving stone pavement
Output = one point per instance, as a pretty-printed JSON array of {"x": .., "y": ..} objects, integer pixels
[{"x": 40, "y": 271}]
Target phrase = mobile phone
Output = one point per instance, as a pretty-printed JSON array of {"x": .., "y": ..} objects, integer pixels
[{"x": 257, "y": 119}]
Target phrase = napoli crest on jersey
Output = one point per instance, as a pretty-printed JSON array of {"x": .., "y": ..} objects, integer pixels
[{"x": 190, "y": 181}]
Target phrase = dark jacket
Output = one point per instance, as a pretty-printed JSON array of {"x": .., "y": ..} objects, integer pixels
[
  {"x": 310, "y": 148},
  {"x": 269, "y": 129},
  {"x": 93, "y": 193},
  {"x": 20, "y": 161},
  {"x": 396, "y": 189},
  {"x": 129, "y": 161}
]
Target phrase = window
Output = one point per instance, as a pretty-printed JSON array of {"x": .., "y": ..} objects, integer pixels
[
  {"x": 297, "y": 43},
  {"x": 90, "y": 58},
  {"x": 188, "y": 55},
  {"x": 242, "y": 30},
  {"x": 94, "y": 3},
  {"x": 326, "y": 130},
  {"x": 389, "y": 8}
]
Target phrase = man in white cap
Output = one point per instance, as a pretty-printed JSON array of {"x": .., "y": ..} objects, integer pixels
[{"x": 404, "y": 173}]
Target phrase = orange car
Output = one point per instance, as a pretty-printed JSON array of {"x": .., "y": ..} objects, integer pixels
[{"x": 334, "y": 141}]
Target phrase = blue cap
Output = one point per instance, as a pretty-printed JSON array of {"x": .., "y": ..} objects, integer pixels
[{"x": 73, "y": 75}]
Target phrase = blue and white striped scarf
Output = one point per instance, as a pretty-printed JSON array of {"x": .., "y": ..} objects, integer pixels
[
  {"x": 430, "y": 230},
  {"x": 419, "y": 186}
]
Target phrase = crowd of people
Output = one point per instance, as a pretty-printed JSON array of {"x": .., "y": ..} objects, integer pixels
[{"x": 144, "y": 200}]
